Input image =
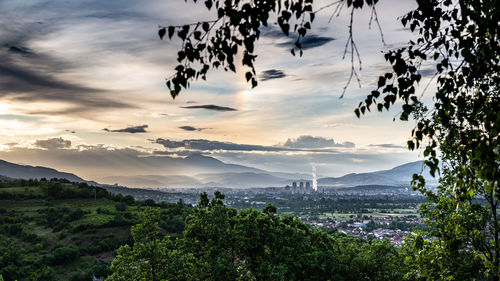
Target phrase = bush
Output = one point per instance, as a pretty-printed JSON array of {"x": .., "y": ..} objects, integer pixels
[
  {"x": 80, "y": 276},
  {"x": 149, "y": 202},
  {"x": 75, "y": 215},
  {"x": 129, "y": 200},
  {"x": 121, "y": 207},
  {"x": 101, "y": 270},
  {"x": 30, "y": 236},
  {"x": 64, "y": 254},
  {"x": 11, "y": 272},
  {"x": 14, "y": 229},
  {"x": 44, "y": 274}
]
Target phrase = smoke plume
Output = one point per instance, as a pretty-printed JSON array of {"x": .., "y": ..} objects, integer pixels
[{"x": 315, "y": 182}]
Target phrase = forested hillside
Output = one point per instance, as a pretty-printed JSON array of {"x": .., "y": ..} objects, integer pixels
[{"x": 57, "y": 230}]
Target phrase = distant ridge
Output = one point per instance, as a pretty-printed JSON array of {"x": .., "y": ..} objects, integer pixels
[
  {"x": 222, "y": 175},
  {"x": 399, "y": 175},
  {"x": 17, "y": 171}
]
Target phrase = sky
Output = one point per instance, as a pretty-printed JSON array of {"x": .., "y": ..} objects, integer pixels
[{"x": 82, "y": 90}]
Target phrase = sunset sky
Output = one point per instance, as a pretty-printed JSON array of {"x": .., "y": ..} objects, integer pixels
[{"x": 82, "y": 90}]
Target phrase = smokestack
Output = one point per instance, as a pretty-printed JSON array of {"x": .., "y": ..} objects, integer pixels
[{"x": 315, "y": 182}]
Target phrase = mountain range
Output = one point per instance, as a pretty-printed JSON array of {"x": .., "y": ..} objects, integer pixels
[
  {"x": 221, "y": 174},
  {"x": 17, "y": 171}
]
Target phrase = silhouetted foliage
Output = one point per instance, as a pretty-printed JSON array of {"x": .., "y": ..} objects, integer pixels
[{"x": 216, "y": 43}]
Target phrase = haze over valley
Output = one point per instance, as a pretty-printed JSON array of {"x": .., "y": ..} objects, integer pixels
[{"x": 228, "y": 176}]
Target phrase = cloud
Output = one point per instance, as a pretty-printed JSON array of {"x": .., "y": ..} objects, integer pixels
[
  {"x": 28, "y": 79},
  {"x": 132, "y": 130},
  {"x": 53, "y": 143},
  {"x": 387, "y": 145},
  {"x": 180, "y": 153},
  {"x": 272, "y": 74},
  {"x": 191, "y": 128},
  {"x": 428, "y": 72},
  {"x": 308, "y": 42},
  {"x": 313, "y": 41},
  {"x": 315, "y": 142},
  {"x": 211, "y": 107},
  {"x": 32, "y": 73},
  {"x": 20, "y": 50},
  {"x": 207, "y": 145},
  {"x": 301, "y": 144}
]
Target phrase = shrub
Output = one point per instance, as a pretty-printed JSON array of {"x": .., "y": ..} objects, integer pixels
[
  {"x": 75, "y": 215},
  {"x": 129, "y": 200},
  {"x": 101, "y": 270},
  {"x": 80, "y": 276},
  {"x": 46, "y": 273},
  {"x": 64, "y": 254},
  {"x": 149, "y": 202},
  {"x": 121, "y": 207},
  {"x": 14, "y": 229}
]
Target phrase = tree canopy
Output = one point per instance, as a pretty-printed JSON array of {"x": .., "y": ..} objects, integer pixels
[{"x": 222, "y": 243}]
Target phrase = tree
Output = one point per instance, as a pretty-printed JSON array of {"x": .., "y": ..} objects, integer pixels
[
  {"x": 150, "y": 258},
  {"x": 46, "y": 273},
  {"x": 461, "y": 128}
]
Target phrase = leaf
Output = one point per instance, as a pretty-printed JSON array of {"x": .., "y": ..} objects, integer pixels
[
  {"x": 302, "y": 31},
  {"x": 171, "y": 31},
  {"x": 312, "y": 15},
  {"x": 381, "y": 81},
  {"x": 183, "y": 32},
  {"x": 254, "y": 83},
  {"x": 197, "y": 35},
  {"x": 208, "y": 3},
  {"x": 284, "y": 27},
  {"x": 411, "y": 145},
  {"x": 162, "y": 32},
  {"x": 205, "y": 26},
  {"x": 286, "y": 15}
]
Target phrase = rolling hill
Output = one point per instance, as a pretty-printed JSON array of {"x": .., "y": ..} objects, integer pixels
[{"x": 17, "y": 171}]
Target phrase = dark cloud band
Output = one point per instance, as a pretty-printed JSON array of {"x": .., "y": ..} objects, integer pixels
[
  {"x": 132, "y": 130},
  {"x": 191, "y": 128},
  {"x": 315, "y": 142},
  {"x": 387, "y": 145},
  {"x": 210, "y": 107},
  {"x": 272, "y": 74},
  {"x": 308, "y": 42},
  {"x": 303, "y": 143}
]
